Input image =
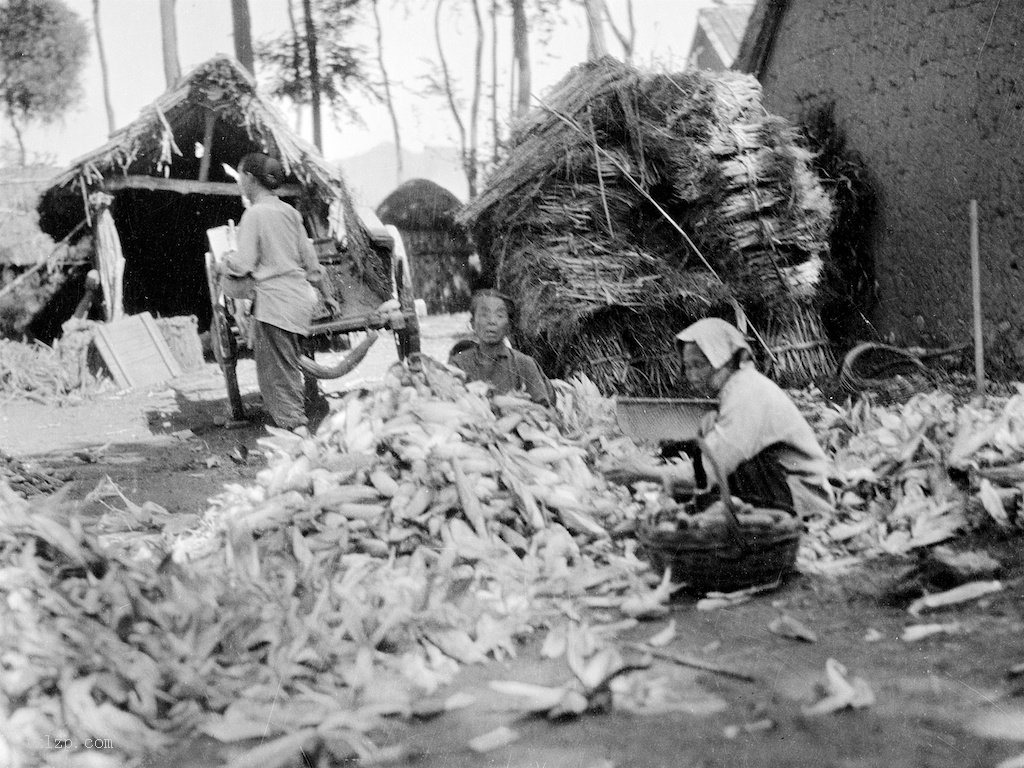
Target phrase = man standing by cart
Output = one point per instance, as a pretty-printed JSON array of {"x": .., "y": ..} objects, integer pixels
[{"x": 275, "y": 253}]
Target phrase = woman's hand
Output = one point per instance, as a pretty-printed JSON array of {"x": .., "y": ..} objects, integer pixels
[{"x": 632, "y": 470}]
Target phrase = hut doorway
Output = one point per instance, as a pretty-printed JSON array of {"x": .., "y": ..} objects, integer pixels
[{"x": 163, "y": 238}]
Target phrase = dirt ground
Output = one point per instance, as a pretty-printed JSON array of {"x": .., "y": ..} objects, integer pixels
[{"x": 166, "y": 446}]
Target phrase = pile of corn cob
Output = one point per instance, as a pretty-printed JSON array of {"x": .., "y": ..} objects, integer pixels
[{"x": 425, "y": 526}]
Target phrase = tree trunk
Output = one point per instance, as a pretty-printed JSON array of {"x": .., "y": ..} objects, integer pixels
[
  {"x": 388, "y": 100},
  {"x": 495, "y": 137},
  {"x": 474, "y": 107},
  {"x": 447, "y": 79},
  {"x": 296, "y": 61},
  {"x": 596, "y": 47},
  {"x": 104, "y": 72},
  {"x": 169, "y": 38},
  {"x": 521, "y": 54},
  {"x": 241, "y": 23},
  {"x": 314, "y": 73}
]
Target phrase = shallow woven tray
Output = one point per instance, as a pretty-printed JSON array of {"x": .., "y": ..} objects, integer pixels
[{"x": 654, "y": 419}]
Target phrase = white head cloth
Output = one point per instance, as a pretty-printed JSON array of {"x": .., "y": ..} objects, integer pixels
[{"x": 717, "y": 339}]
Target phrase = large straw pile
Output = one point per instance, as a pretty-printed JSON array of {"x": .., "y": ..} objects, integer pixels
[{"x": 584, "y": 225}]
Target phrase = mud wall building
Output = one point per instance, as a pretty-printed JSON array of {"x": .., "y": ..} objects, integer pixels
[{"x": 931, "y": 94}]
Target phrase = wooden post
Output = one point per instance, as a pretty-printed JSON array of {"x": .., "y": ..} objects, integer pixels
[
  {"x": 979, "y": 338},
  {"x": 204, "y": 162}
]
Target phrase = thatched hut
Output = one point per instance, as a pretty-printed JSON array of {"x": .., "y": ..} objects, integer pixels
[
  {"x": 634, "y": 202},
  {"x": 439, "y": 248},
  {"x": 163, "y": 181}
]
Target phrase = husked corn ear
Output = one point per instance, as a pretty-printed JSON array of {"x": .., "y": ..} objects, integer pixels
[
  {"x": 440, "y": 412},
  {"x": 384, "y": 483},
  {"x": 356, "y": 511},
  {"x": 342, "y": 494},
  {"x": 417, "y": 504},
  {"x": 507, "y": 423}
]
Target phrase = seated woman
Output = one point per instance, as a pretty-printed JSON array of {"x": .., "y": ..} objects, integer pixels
[
  {"x": 491, "y": 359},
  {"x": 757, "y": 439}
]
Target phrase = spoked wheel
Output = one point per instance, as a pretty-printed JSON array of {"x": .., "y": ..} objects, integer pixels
[
  {"x": 222, "y": 339},
  {"x": 225, "y": 349}
]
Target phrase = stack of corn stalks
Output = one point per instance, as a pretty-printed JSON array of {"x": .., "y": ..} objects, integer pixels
[
  {"x": 49, "y": 374},
  {"x": 635, "y": 202}
]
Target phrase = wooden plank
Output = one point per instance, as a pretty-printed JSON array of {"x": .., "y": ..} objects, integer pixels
[
  {"x": 160, "y": 343},
  {"x": 188, "y": 186},
  {"x": 135, "y": 352}
]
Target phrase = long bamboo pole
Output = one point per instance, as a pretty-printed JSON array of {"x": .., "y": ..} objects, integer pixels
[{"x": 979, "y": 339}]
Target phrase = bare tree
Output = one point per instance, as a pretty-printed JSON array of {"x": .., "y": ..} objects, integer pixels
[
  {"x": 314, "y": 72},
  {"x": 316, "y": 63},
  {"x": 241, "y": 23},
  {"x": 474, "y": 107},
  {"x": 596, "y": 47},
  {"x": 296, "y": 59},
  {"x": 446, "y": 79},
  {"x": 388, "y": 100},
  {"x": 468, "y": 136},
  {"x": 169, "y": 38},
  {"x": 495, "y": 137},
  {"x": 521, "y": 55},
  {"x": 626, "y": 39},
  {"x": 104, "y": 72}
]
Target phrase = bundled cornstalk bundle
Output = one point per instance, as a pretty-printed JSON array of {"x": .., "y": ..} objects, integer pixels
[
  {"x": 635, "y": 202},
  {"x": 50, "y": 374}
]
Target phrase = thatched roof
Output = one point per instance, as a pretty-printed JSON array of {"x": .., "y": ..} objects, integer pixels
[
  {"x": 22, "y": 243},
  {"x": 420, "y": 204},
  {"x": 162, "y": 144}
]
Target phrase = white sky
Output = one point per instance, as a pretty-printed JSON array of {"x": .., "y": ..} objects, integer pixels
[{"x": 131, "y": 36}]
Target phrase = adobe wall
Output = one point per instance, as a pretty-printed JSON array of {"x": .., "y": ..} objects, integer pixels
[{"x": 931, "y": 93}]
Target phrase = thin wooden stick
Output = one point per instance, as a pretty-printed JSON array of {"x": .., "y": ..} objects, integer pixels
[
  {"x": 979, "y": 339},
  {"x": 689, "y": 661},
  {"x": 39, "y": 265}
]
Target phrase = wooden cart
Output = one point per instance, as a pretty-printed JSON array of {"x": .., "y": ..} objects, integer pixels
[{"x": 359, "y": 303}]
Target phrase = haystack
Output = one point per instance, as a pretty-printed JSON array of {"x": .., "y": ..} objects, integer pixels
[
  {"x": 438, "y": 247},
  {"x": 632, "y": 203}
]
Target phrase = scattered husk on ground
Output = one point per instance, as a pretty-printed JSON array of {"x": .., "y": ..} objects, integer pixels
[
  {"x": 633, "y": 202},
  {"x": 426, "y": 525}
]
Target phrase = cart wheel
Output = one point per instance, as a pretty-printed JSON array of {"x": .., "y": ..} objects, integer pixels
[{"x": 225, "y": 349}]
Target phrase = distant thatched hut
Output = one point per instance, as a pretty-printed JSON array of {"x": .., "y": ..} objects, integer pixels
[
  {"x": 163, "y": 180},
  {"x": 633, "y": 202},
  {"x": 438, "y": 247}
]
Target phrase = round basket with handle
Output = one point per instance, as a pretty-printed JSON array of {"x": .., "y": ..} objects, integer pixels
[{"x": 742, "y": 553}]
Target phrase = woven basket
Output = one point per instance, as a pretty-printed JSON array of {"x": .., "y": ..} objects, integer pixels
[
  {"x": 720, "y": 564},
  {"x": 737, "y": 556}
]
